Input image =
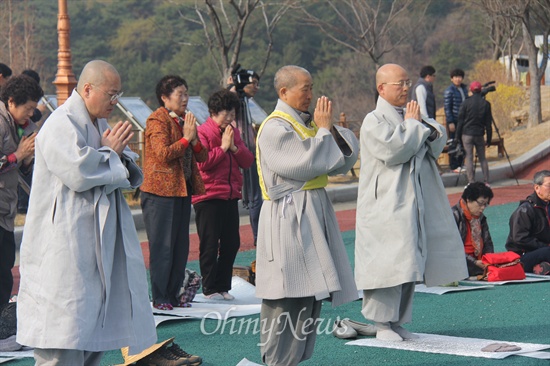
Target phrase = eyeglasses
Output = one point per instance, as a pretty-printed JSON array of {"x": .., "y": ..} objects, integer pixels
[
  {"x": 482, "y": 204},
  {"x": 544, "y": 185},
  {"x": 113, "y": 97},
  {"x": 402, "y": 83}
]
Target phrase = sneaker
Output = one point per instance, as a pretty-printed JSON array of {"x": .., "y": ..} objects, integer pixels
[
  {"x": 227, "y": 296},
  {"x": 163, "y": 357},
  {"x": 214, "y": 296},
  {"x": 163, "y": 306},
  {"x": 191, "y": 359},
  {"x": 543, "y": 268}
]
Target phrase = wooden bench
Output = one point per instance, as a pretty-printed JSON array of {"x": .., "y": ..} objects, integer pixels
[{"x": 499, "y": 142}]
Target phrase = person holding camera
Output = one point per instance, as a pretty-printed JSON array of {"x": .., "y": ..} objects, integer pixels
[
  {"x": 246, "y": 84},
  {"x": 474, "y": 121}
]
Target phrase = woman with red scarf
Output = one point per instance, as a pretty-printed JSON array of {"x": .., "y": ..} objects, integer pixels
[{"x": 472, "y": 225}]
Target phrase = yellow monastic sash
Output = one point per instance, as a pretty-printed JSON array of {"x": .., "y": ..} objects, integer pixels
[{"x": 304, "y": 132}]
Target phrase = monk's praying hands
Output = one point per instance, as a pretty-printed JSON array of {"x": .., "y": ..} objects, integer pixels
[{"x": 323, "y": 113}]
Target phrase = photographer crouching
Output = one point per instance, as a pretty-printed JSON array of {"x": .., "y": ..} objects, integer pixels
[
  {"x": 246, "y": 84},
  {"x": 474, "y": 121}
]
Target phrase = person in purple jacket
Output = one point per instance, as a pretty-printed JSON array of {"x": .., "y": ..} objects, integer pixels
[{"x": 216, "y": 212}]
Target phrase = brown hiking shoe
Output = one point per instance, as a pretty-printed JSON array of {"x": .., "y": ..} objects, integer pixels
[
  {"x": 191, "y": 359},
  {"x": 163, "y": 357}
]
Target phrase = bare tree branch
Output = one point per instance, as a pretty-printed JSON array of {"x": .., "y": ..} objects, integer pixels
[
  {"x": 224, "y": 24},
  {"x": 368, "y": 28}
]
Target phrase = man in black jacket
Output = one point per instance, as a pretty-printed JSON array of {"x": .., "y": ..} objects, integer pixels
[
  {"x": 530, "y": 227},
  {"x": 474, "y": 121}
]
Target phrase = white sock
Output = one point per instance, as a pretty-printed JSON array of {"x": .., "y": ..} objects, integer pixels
[
  {"x": 404, "y": 333},
  {"x": 386, "y": 333}
]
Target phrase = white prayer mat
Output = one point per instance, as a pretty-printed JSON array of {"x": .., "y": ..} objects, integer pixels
[
  {"x": 246, "y": 362},
  {"x": 163, "y": 318},
  {"x": 460, "y": 346},
  {"x": 23, "y": 353},
  {"x": 245, "y": 303},
  {"x": 210, "y": 311},
  {"x": 529, "y": 277},
  {"x": 440, "y": 290},
  {"x": 243, "y": 291}
]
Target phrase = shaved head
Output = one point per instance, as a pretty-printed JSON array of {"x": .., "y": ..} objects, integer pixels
[
  {"x": 98, "y": 84},
  {"x": 287, "y": 77},
  {"x": 386, "y": 73},
  {"x": 96, "y": 72}
]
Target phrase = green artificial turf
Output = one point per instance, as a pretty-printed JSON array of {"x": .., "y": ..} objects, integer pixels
[{"x": 512, "y": 313}]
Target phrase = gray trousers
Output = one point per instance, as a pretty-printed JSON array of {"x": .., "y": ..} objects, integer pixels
[
  {"x": 66, "y": 357},
  {"x": 479, "y": 142},
  {"x": 289, "y": 330},
  {"x": 390, "y": 304}
]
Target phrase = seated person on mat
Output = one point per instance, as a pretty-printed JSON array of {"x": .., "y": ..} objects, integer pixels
[
  {"x": 530, "y": 227},
  {"x": 472, "y": 225}
]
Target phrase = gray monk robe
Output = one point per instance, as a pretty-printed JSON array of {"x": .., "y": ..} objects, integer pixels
[
  {"x": 405, "y": 231},
  {"x": 83, "y": 280},
  {"x": 300, "y": 250}
]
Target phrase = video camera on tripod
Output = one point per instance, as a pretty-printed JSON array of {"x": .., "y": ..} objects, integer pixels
[
  {"x": 488, "y": 87},
  {"x": 242, "y": 77}
]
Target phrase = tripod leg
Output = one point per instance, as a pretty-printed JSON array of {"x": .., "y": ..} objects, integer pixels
[{"x": 505, "y": 152}]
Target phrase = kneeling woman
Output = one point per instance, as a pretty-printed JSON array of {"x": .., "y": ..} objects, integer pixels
[
  {"x": 472, "y": 225},
  {"x": 216, "y": 212}
]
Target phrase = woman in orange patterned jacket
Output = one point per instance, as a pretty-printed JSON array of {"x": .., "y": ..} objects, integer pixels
[{"x": 171, "y": 176}]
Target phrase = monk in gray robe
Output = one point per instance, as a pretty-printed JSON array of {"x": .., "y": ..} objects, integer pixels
[
  {"x": 83, "y": 282},
  {"x": 301, "y": 258},
  {"x": 404, "y": 225}
]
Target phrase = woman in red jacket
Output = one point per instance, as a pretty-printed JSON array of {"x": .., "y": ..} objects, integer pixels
[
  {"x": 171, "y": 176},
  {"x": 216, "y": 212}
]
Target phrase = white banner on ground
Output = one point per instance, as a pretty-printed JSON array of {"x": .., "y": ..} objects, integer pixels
[
  {"x": 247, "y": 362},
  {"x": 243, "y": 291},
  {"x": 8, "y": 356},
  {"x": 440, "y": 290},
  {"x": 210, "y": 311},
  {"x": 460, "y": 346}
]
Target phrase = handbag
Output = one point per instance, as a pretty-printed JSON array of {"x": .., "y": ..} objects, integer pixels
[
  {"x": 191, "y": 284},
  {"x": 504, "y": 266}
]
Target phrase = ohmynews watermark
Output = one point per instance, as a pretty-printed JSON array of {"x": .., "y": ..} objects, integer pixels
[{"x": 224, "y": 324}]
